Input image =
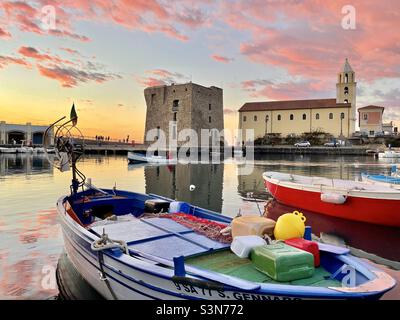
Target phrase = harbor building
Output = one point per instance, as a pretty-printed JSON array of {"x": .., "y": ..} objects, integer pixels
[
  {"x": 185, "y": 106},
  {"x": 28, "y": 133},
  {"x": 370, "y": 120},
  {"x": 336, "y": 116}
]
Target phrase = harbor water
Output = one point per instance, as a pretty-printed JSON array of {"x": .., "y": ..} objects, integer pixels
[{"x": 31, "y": 242}]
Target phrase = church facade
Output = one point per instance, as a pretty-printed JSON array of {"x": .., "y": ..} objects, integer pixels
[{"x": 336, "y": 116}]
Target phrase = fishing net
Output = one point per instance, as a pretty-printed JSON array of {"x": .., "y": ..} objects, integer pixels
[{"x": 208, "y": 228}]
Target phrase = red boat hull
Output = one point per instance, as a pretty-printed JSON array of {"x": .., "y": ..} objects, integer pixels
[{"x": 377, "y": 211}]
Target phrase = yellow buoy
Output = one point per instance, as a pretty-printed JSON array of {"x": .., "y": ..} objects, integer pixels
[{"x": 290, "y": 225}]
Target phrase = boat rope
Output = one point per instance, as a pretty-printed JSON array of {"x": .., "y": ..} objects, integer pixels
[{"x": 105, "y": 243}]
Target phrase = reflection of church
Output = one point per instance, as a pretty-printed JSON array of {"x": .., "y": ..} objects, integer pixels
[{"x": 174, "y": 182}]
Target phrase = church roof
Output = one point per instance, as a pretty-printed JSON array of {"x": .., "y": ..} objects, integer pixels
[
  {"x": 293, "y": 104},
  {"x": 347, "y": 67},
  {"x": 371, "y": 107}
]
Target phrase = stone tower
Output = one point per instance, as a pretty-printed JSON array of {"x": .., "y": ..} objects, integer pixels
[
  {"x": 346, "y": 91},
  {"x": 183, "y": 106}
]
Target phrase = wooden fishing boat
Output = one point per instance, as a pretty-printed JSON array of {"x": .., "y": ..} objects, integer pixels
[
  {"x": 360, "y": 201},
  {"x": 158, "y": 258},
  {"x": 134, "y": 157},
  {"x": 129, "y": 245}
]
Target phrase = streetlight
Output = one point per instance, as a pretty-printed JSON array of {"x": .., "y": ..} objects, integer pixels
[
  {"x": 266, "y": 124},
  {"x": 341, "y": 123}
]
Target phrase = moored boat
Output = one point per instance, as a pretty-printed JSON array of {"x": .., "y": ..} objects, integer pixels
[
  {"x": 134, "y": 157},
  {"x": 360, "y": 201},
  {"x": 8, "y": 150},
  {"x": 389, "y": 154},
  {"x": 394, "y": 181}
]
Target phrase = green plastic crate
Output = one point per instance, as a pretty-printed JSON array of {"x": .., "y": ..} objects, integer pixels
[{"x": 282, "y": 262}]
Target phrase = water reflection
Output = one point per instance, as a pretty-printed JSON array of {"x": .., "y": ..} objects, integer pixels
[
  {"x": 30, "y": 237},
  {"x": 23, "y": 163},
  {"x": 174, "y": 182}
]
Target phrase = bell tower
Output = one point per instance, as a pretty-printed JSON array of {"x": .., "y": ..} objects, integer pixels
[{"x": 346, "y": 91}]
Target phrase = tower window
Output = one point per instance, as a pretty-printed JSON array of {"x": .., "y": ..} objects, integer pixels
[
  {"x": 304, "y": 116},
  {"x": 279, "y": 117},
  {"x": 244, "y": 118},
  {"x": 346, "y": 78},
  {"x": 317, "y": 116},
  {"x": 331, "y": 116},
  {"x": 291, "y": 117},
  {"x": 346, "y": 90},
  {"x": 175, "y": 104},
  {"x": 365, "y": 116},
  {"x": 255, "y": 118},
  {"x": 346, "y": 101},
  {"x": 175, "y": 116},
  {"x": 209, "y": 119},
  {"x": 209, "y": 106}
]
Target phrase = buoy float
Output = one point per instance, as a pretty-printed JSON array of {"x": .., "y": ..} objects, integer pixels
[{"x": 290, "y": 225}]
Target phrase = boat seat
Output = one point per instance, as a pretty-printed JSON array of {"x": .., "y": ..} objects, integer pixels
[{"x": 163, "y": 237}]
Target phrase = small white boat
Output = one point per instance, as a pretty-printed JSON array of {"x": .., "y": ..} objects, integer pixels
[
  {"x": 38, "y": 150},
  {"x": 134, "y": 157},
  {"x": 389, "y": 154},
  {"x": 8, "y": 150}
]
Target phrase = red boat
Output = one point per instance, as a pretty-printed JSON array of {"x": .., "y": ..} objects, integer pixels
[{"x": 352, "y": 200}]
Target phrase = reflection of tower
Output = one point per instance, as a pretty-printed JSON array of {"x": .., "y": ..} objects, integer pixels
[
  {"x": 174, "y": 182},
  {"x": 346, "y": 92}
]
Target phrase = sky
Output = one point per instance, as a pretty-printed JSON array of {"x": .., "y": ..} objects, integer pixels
[{"x": 101, "y": 54}]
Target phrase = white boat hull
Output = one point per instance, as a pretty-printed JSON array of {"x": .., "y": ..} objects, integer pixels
[{"x": 8, "y": 150}]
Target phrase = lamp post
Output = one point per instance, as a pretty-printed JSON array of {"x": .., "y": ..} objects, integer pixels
[{"x": 266, "y": 124}]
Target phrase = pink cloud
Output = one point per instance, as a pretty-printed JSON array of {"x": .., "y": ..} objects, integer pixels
[
  {"x": 311, "y": 43},
  {"x": 286, "y": 90},
  {"x": 27, "y": 18},
  {"x": 70, "y": 77},
  {"x": 221, "y": 58},
  {"x": 6, "y": 60},
  {"x": 160, "y": 77},
  {"x": 151, "y": 82},
  {"x": 4, "y": 34},
  {"x": 31, "y": 52}
]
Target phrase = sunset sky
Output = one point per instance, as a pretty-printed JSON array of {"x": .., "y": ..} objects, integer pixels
[{"x": 101, "y": 54}]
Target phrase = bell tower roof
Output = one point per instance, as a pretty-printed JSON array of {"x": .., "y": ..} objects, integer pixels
[{"x": 347, "y": 67}]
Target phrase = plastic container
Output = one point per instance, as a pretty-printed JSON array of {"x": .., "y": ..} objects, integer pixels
[
  {"x": 290, "y": 225},
  {"x": 282, "y": 262},
  {"x": 252, "y": 225},
  {"x": 242, "y": 245},
  {"x": 309, "y": 246},
  {"x": 179, "y": 206}
]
